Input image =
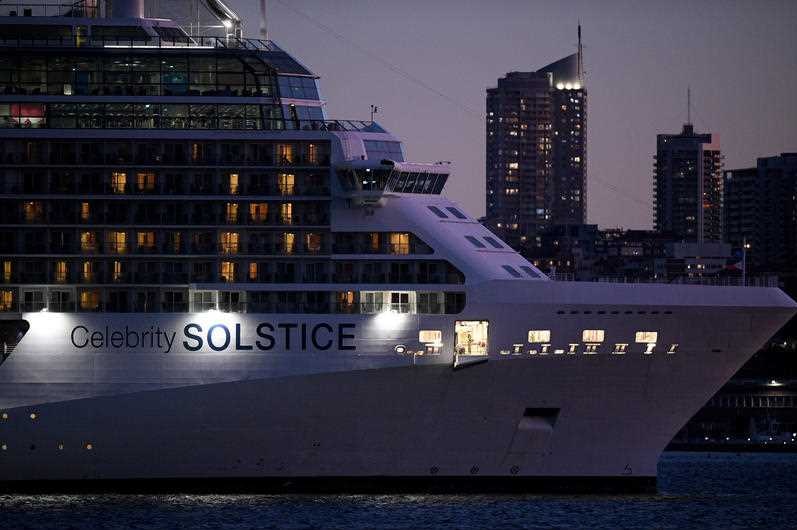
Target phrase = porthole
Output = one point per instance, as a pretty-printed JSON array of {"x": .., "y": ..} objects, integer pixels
[
  {"x": 3, "y": 447},
  {"x": 33, "y": 415},
  {"x": 60, "y": 446},
  {"x": 89, "y": 446},
  {"x": 4, "y": 416}
]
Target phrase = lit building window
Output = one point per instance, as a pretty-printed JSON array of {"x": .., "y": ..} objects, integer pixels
[
  {"x": 117, "y": 242},
  {"x": 231, "y": 213},
  {"x": 286, "y": 213},
  {"x": 89, "y": 300},
  {"x": 85, "y": 211},
  {"x": 6, "y": 300},
  {"x": 118, "y": 182},
  {"x": 6, "y": 271},
  {"x": 646, "y": 337},
  {"x": 286, "y": 183},
  {"x": 34, "y": 211},
  {"x": 233, "y": 184},
  {"x": 145, "y": 181},
  {"x": 253, "y": 271},
  {"x": 88, "y": 241},
  {"x": 61, "y": 272},
  {"x": 87, "y": 272},
  {"x": 592, "y": 335},
  {"x": 540, "y": 335},
  {"x": 229, "y": 242},
  {"x": 399, "y": 243},
  {"x": 313, "y": 242},
  {"x": 258, "y": 212},
  {"x": 288, "y": 242},
  {"x": 145, "y": 241}
]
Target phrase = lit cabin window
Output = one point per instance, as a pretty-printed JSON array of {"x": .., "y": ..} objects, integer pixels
[
  {"x": 511, "y": 270},
  {"x": 312, "y": 242},
  {"x": 145, "y": 241},
  {"x": 227, "y": 270},
  {"x": 288, "y": 242},
  {"x": 88, "y": 272},
  {"x": 61, "y": 272},
  {"x": 34, "y": 211},
  {"x": 286, "y": 213},
  {"x": 117, "y": 242},
  {"x": 286, "y": 183},
  {"x": 540, "y": 335},
  {"x": 118, "y": 182},
  {"x": 85, "y": 211},
  {"x": 6, "y": 271},
  {"x": 6, "y": 300},
  {"x": 231, "y": 213},
  {"x": 286, "y": 154},
  {"x": 145, "y": 181},
  {"x": 438, "y": 212},
  {"x": 374, "y": 243},
  {"x": 475, "y": 242},
  {"x": 646, "y": 337},
  {"x": 456, "y": 213},
  {"x": 229, "y": 242},
  {"x": 430, "y": 336},
  {"x": 399, "y": 243},
  {"x": 233, "y": 187},
  {"x": 592, "y": 335},
  {"x": 89, "y": 300},
  {"x": 253, "y": 271},
  {"x": 118, "y": 274},
  {"x": 88, "y": 241},
  {"x": 258, "y": 212}
]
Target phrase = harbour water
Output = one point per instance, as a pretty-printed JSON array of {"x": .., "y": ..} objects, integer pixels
[{"x": 695, "y": 490}]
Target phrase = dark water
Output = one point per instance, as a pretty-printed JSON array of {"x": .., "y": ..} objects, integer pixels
[{"x": 695, "y": 490}]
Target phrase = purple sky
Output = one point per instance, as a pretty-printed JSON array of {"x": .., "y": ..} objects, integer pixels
[{"x": 740, "y": 59}]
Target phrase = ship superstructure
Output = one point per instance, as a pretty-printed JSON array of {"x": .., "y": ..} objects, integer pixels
[{"x": 204, "y": 277}]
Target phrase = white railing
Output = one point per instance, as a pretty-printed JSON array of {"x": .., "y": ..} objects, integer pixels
[{"x": 753, "y": 281}]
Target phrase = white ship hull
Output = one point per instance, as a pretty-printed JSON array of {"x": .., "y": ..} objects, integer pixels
[{"x": 348, "y": 418}]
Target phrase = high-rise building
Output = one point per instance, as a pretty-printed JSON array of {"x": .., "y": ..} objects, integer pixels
[
  {"x": 688, "y": 186},
  {"x": 536, "y": 151},
  {"x": 760, "y": 213}
]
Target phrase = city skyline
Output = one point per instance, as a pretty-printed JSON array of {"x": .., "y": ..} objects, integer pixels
[{"x": 740, "y": 79}]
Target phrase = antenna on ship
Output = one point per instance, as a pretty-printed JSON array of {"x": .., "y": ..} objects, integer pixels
[{"x": 263, "y": 20}]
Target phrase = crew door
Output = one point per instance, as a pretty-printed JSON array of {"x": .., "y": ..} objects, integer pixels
[{"x": 470, "y": 337}]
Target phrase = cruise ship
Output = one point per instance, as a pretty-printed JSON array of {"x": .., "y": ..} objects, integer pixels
[{"x": 207, "y": 283}]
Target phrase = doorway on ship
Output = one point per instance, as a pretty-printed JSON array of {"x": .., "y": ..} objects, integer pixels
[{"x": 470, "y": 337}]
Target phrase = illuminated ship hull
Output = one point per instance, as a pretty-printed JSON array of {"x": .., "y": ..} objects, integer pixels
[{"x": 368, "y": 416}]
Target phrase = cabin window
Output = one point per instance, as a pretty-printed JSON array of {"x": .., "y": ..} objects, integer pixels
[
  {"x": 540, "y": 335},
  {"x": 592, "y": 335},
  {"x": 646, "y": 337}
]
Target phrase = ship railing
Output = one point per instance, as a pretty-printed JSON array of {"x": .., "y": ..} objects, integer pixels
[
  {"x": 768, "y": 280},
  {"x": 188, "y": 41},
  {"x": 50, "y": 9}
]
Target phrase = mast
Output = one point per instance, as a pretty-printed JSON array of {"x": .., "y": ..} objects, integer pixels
[
  {"x": 263, "y": 21},
  {"x": 580, "y": 56}
]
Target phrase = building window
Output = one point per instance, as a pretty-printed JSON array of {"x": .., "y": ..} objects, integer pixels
[
  {"x": 286, "y": 213},
  {"x": 145, "y": 181},
  {"x": 146, "y": 241},
  {"x": 61, "y": 272},
  {"x": 646, "y": 337},
  {"x": 118, "y": 182},
  {"x": 286, "y": 183},
  {"x": 227, "y": 271},
  {"x": 231, "y": 213},
  {"x": 592, "y": 335},
  {"x": 399, "y": 243},
  {"x": 540, "y": 335},
  {"x": 89, "y": 300},
  {"x": 233, "y": 184},
  {"x": 117, "y": 242},
  {"x": 229, "y": 242},
  {"x": 258, "y": 212}
]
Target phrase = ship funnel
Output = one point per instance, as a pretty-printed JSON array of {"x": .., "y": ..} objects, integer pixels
[{"x": 126, "y": 8}]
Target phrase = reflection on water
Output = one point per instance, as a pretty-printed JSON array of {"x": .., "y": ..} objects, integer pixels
[{"x": 696, "y": 490}]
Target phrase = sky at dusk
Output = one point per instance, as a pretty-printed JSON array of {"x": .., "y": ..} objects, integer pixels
[{"x": 740, "y": 59}]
